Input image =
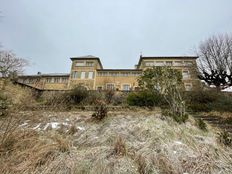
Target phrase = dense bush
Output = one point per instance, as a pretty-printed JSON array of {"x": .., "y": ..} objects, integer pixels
[
  {"x": 222, "y": 103},
  {"x": 78, "y": 94},
  {"x": 145, "y": 98},
  {"x": 204, "y": 101}
]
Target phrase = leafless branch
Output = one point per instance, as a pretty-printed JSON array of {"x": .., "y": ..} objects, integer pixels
[{"x": 9, "y": 63}]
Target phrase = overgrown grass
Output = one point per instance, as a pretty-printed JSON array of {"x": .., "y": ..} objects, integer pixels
[{"x": 124, "y": 142}]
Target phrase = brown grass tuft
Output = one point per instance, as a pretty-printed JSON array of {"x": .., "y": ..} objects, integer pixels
[{"x": 120, "y": 147}]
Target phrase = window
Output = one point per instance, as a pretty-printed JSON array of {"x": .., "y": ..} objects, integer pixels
[
  {"x": 188, "y": 63},
  {"x": 31, "y": 81},
  {"x": 90, "y": 75},
  {"x": 80, "y": 63},
  {"x": 136, "y": 73},
  {"x": 48, "y": 80},
  {"x": 186, "y": 74},
  {"x": 188, "y": 86},
  {"x": 74, "y": 75},
  {"x": 64, "y": 79},
  {"x": 52, "y": 80},
  {"x": 114, "y": 73},
  {"x": 126, "y": 87},
  {"x": 125, "y": 74},
  {"x": 99, "y": 88},
  {"x": 57, "y": 80},
  {"x": 178, "y": 63},
  {"x": 159, "y": 63},
  {"x": 169, "y": 63},
  {"x": 102, "y": 73},
  {"x": 82, "y": 75},
  {"x": 110, "y": 86},
  {"x": 149, "y": 63},
  {"x": 89, "y": 64}
]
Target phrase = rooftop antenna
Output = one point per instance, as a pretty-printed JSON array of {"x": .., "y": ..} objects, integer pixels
[{"x": 141, "y": 54}]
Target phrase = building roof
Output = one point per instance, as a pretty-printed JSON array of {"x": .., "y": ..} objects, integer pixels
[
  {"x": 48, "y": 75},
  {"x": 165, "y": 57},
  {"x": 88, "y": 57},
  {"x": 119, "y": 70}
]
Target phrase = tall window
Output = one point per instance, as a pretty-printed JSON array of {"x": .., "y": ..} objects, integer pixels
[
  {"x": 57, "y": 80},
  {"x": 90, "y": 75},
  {"x": 74, "y": 75},
  {"x": 82, "y": 75},
  {"x": 64, "y": 79}
]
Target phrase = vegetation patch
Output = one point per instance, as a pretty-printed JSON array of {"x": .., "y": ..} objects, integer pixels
[
  {"x": 209, "y": 100},
  {"x": 201, "y": 124}
]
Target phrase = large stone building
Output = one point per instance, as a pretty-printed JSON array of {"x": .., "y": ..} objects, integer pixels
[{"x": 89, "y": 72}]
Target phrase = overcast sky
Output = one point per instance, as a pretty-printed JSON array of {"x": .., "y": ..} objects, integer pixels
[{"x": 49, "y": 32}]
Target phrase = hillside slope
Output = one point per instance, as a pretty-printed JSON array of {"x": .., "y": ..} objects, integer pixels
[{"x": 124, "y": 142}]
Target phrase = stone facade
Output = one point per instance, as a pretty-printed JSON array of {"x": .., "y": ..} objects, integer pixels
[{"x": 89, "y": 72}]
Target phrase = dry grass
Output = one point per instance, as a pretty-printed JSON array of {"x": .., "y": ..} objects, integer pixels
[
  {"x": 124, "y": 142},
  {"x": 120, "y": 147},
  {"x": 19, "y": 97}
]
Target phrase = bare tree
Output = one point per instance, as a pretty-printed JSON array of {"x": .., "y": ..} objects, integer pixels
[
  {"x": 215, "y": 61},
  {"x": 10, "y": 64}
]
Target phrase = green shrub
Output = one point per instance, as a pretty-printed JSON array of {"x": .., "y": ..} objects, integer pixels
[
  {"x": 222, "y": 103},
  {"x": 200, "y": 100},
  {"x": 205, "y": 101},
  {"x": 145, "y": 98},
  {"x": 202, "y": 125},
  {"x": 78, "y": 94}
]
